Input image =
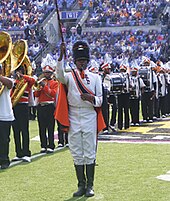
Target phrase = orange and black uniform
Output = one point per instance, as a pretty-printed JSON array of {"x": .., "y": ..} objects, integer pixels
[
  {"x": 21, "y": 123},
  {"x": 45, "y": 112}
]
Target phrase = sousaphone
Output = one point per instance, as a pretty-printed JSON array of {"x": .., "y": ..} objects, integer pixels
[
  {"x": 19, "y": 58},
  {"x": 5, "y": 57}
]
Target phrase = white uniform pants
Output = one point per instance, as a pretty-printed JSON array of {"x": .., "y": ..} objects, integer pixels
[{"x": 82, "y": 134}]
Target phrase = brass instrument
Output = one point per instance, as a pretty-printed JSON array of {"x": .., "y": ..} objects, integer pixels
[
  {"x": 18, "y": 92},
  {"x": 37, "y": 86},
  {"x": 19, "y": 58},
  {"x": 18, "y": 53},
  {"x": 5, "y": 57}
]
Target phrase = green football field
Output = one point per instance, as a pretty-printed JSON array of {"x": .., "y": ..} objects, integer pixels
[{"x": 124, "y": 172}]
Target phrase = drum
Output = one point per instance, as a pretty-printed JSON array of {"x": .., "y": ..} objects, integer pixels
[
  {"x": 144, "y": 73},
  {"x": 116, "y": 82}
]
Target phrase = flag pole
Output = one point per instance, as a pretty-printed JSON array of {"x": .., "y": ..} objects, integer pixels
[{"x": 59, "y": 21}]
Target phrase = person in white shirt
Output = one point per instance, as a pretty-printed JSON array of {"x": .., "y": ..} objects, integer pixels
[{"x": 6, "y": 118}]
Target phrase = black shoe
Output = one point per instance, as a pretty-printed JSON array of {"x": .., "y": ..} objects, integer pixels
[
  {"x": 50, "y": 151},
  {"x": 4, "y": 166},
  {"x": 43, "y": 150},
  {"x": 80, "y": 192},
  {"x": 60, "y": 145},
  {"x": 89, "y": 192}
]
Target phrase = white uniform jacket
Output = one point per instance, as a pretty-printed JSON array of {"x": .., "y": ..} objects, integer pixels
[{"x": 82, "y": 116}]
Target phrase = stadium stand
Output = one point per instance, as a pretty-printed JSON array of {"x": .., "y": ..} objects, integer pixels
[{"x": 25, "y": 19}]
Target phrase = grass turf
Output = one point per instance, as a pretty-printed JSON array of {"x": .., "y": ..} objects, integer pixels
[{"x": 124, "y": 172}]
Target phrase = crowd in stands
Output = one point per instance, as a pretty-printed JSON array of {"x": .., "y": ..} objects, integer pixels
[
  {"x": 130, "y": 44},
  {"x": 20, "y": 13},
  {"x": 29, "y": 15},
  {"x": 123, "y": 12}
]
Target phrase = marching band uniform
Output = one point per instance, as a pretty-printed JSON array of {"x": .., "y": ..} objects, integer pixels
[
  {"x": 105, "y": 105},
  {"x": 82, "y": 115},
  {"x": 6, "y": 118},
  {"x": 168, "y": 95},
  {"x": 21, "y": 123},
  {"x": 123, "y": 101},
  {"x": 45, "y": 109},
  {"x": 163, "y": 93},
  {"x": 156, "y": 98},
  {"x": 147, "y": 98},
  {"x": 137, "y": 88}
]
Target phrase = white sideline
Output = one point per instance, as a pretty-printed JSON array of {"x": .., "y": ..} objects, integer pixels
[
  {"x": 164, "y": 177},
  {"x": 13, "y": 163}
]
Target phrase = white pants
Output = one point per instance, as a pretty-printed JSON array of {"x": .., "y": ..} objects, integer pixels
[{"x": 82, "y": 135}]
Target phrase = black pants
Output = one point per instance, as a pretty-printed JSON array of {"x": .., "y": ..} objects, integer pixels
[
  {"x": 32, "y": 112},
  {"x": 156, "y": 112},
  {"x": 134, "y": 110},
  {"x": 21, "y": 130},
  {"x": 162, "y": 105},
  {"x": 147, "y": 105},
  {"x": 4, "y": 141},
  {"x": 46, "y": 122},
  {"x": 105, "y": 108},
  {"x": 112, "y": 101},
  {"x": 168, "y": 100},
  {"x": 123, "y": 107},
  {"x": 62, "y": 137}
]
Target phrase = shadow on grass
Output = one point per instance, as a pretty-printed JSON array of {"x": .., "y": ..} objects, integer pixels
[{"x": 77, "y": 198}]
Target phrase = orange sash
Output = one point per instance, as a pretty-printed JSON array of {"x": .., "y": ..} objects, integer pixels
[{"x": 82, "y": 89}]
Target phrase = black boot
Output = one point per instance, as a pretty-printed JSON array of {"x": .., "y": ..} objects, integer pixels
[
  {"x": 90, "y": 178},
  {"x": 81, "y": 181}
]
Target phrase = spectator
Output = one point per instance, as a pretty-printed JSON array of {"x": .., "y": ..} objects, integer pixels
[{"x": 79, "y": 29}]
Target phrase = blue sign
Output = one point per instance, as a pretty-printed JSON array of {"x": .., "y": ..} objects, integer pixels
[{"x": 70, "y": 14}]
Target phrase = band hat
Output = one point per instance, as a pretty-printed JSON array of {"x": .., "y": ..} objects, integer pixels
[
  {"x": 122, "y": 66},
  {"x": 47, "y": 69},
  {"x": 106, "y": 66},
  {"x": 145, "y": 61},
  {"x": 134, "y": 66},
  {"x": 81, "y": 51},
  {"x": 94, "y": 69},
  {"x": 48, "y": 61}
]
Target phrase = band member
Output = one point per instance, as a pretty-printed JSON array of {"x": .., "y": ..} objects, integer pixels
[
  {"x": 62, "y": 136},
  {"x": 163, "y": 93},
  {"x": 84, "y": 96},
  {"x": 123, "y": 100},
  {"x": 135, "y": 93},
  {"x": 21, "y": 112},
  {"x": 105, "y": 105},
  {"x": 46, "y": 94},
  {"x": 109, "y": 99},
  {"x": 6, "y": 118},
  {"x": 147, "y": 98},
  {"x": 156, "y": 110}
]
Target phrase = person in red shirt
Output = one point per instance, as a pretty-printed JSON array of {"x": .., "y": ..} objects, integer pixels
[
  {"x": 46, "y": 94},
  {"x": 21, "y": 113}
]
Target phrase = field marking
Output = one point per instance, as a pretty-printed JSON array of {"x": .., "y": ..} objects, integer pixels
[
  {"x": 13, "y": 163},
  {"x": 135, "y": 141},
  {"x": 164, "y": 177}
]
